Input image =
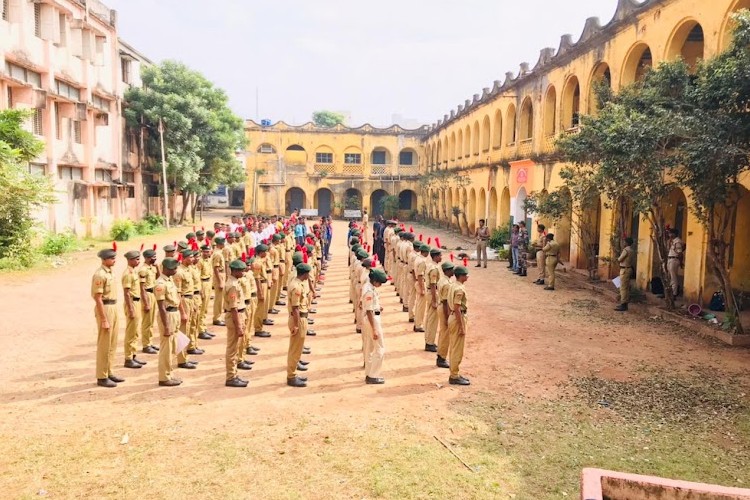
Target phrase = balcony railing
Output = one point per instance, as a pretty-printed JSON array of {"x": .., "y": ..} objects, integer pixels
[
  {"x": 408, "y": 170},
  {"x": 549, "y": 143},
  {"x": 380, "y": 169},
  {"x": 353, "y": 169},
  {"x": 327, "y": 168},
  {"x": 573, "y": 130},
  {"x": 524, "y": 148}
]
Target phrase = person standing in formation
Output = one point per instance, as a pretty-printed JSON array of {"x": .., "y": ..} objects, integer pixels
[
  {"x": 234, "y": 307},
  {"x": 458, "y": 325},
  {"x": 539, "y": 244},
  {"x": 183, "y": 278},
  {"x": 206, "y": 273},
  {"x": 132, "y": 294},
  {"x": 297, "y": 300},
  {"x": 514, "y": 248},
  {"x": 420, "y": 287},
  {"x": 372, "y": 334},
  {"x": 433, "y": 276},
  {"x": 171, "y": 315},
  {"x": 105, "y": 311},
  {"x": 482, "y": 235},
  {"x": 218, "y": 264},
  {"x": 148, "y": 274},
  {"x": 444, "y": 312}
]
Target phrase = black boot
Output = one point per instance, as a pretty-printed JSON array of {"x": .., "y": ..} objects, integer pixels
[{"x": 622, "y": 307}]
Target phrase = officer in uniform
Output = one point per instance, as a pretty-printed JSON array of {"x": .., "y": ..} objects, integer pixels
[
  {"x": 675, "y": 258},
  {"x": 432, "y": 299},
  {"x": 195, "y": 327},
  {"x": 413, "y": 256},
  {"x": 171, "y": 314},
  {"x": 104, "y": 295},
  {"x": 205, "y": 269},
  {"x": 458, "y": 325},
  {"x": 274, "y": 252},
  {"x": 482, "y": 235},
  {"x": 147, "y": 276},
  {"x": 251, "y": 306},
  {"x": 421, "y": 263},
  {"x": 183, "y": 278},
  {"x": 261, "y": 275},
  {"x": 551, "y": 252},
  {"x": 523, "y": 249},
  {"x": 539, "y": 244},
  {"x": 444, "y": 285},
  {"x": 627, "y": 261},
  {"x": 372, "y": 333},
  {"x": 169, "y": 253},
  {"x": 218, "y": 263},
  {"x": 297, "y": 304},
  {"x": 132, "y": 293},
  {"x": 234, "y": 307}
]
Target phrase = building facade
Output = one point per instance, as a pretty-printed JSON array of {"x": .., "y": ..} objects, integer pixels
[
  {"x": 331, "y": 170},
  {"x": 503, "y": 140}
]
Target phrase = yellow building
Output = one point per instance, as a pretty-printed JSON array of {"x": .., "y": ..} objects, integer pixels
[
  {"x": 503, "y": 139},
  {"x": 309, "y": 167}
]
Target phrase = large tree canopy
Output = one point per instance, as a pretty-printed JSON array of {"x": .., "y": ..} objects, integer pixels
[{"x": 327, "y": 119}]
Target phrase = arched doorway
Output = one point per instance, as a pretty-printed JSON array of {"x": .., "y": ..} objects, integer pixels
[
  {"x": 493, "y": 215},
  {"x": 295, "y": 199},
  {"x": 600, "y": 76},
  {"x": 324, "y": 202},
  {"x": 482, "y": 205},
  {"x": 571, "y": 105},
  {"x": 376, "y": 202},
  {"x": 352, "y": 199},
  {"x": 407, "y": 200},
  {"x": 472, "y": 210},
  {"x": 519, "y": 211},
  {"x": 505, "y": 207}
]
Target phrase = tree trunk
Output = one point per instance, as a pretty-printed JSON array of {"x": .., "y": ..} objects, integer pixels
[
  {"x": 185, "y": 201},
  {"x": 193, "y": 205},
  {"x": 717, "y": 258},
  {"x": 656, "y": 219}
]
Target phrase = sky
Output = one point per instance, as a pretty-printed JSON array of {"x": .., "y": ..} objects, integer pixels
[{"x": 370, "y": 58}]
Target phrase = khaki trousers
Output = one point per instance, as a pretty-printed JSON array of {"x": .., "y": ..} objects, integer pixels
[
  {"x": 233, "y": 342},
  {"x": 430, "y": 321},
  {"x": 374, "y": 349},
  {"x": 261, "y": 312},
  {"x": 203, "y": 314},
  {"x": 420, "y": 304},
  {"x": 412, "y": 287},
  {"x": 106, "y": 342},
  {"x": 218, "y": 301},
  {"x": 551, "y": 264},
  {"x": 673, "y": 267},
  {"x": 456, "y": 348},
  {"x": 195, "y": 317},
  {"x": 168, "y": 346},
  {"x": 625, "y": 274},
  {"x": 443, "y": 334},
  {"x": 148, "y": 318},
  {"x": 482, "y": 252},
  {"x": 296, "y": 344},
  {"x": 187, "y": 304},
  {"x": 132, "y": 327},
  {"x": 275, "y": 290},
  {"x": 249, "y": 327},
  {"x": 541, "y": 264}
]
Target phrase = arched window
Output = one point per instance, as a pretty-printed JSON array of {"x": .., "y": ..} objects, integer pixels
[
  {"x": 497, "y": 130},
  {"x": 639, "y": 61},
  {"x": 527, "y": 120},
  {"x": 550, "y": 112},
  {"x": 266, "y": 149}
]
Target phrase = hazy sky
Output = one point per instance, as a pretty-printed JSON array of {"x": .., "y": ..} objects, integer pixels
[{"x": 376, "y": 58}]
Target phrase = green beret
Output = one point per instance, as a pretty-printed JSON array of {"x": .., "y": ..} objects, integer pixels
[
  {"x": 220, "y": 240},
  {"x": 196, "y": 253},
  {"x": 133, "y": 254},
  {"x": 261, "y": 248},
  {"x": 276, "y": 237},
  {"x": 461, "y": 271},
  {"x": 447, "y": 266},
  {"x": 310, "y": 249},
  {"x": 147, "y": 254},
  {"x": 297, "y": 258},
  {"x": 170, "y": 248},
  {"x": 182, "y": 245},
  {"x": 367, "y": 263},
  {"x": 186, "y": 253},
  {"x": 281, "y": 235},
  {"x": 424, "y": 248},
  {"x": 190, "y": 236},
  {"x": 303, "y": 269},
  {"x": 436, "y": 251},
  {"x": 210, "y": 234},
  {"x": 378, "y": 275},
  {"x": 356, "y": 248},
  {"x": 353, "y": 241},
  {"x": 398, "y": 230},
  {"x": 356, "y": 232},
  {"x": 417, "y": 245},
  {"x": 237, "y": 265},
  {"x": 170, "y": 263},
  {"x": 107, "y": 253},
  {"x": 200, "y": 232},
  {"x": 205, "y": 248},
  {"x": 410, "y": 236},
  {"x": 362, "y": 253}
]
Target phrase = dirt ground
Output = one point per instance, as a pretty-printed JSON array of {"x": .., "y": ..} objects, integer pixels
[{"x": 63, "y": 437}]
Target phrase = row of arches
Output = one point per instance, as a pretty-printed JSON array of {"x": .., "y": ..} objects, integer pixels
[
  {"x": 324, "y": 200},
  {"x": 561, "y": 105},
  {"x": 352, "y": 155}
]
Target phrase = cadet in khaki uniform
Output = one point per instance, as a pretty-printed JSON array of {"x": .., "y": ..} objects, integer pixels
[
  {"x": 169, "y": 253},
  {"x": 552, "y": 255},
  {"x": 274, "y": 252},
  {"x": 444, "y": 313},
  {"x": 627, "y": 261},
  {"x": 458, "y": 324},
  {"x": 420, "y": 284},
  {"x": 183, "y": 278},
  {"x": 432, "y": 299},
  {"x": 194, "y": 327},
  {"x": 171, "y": 315},
  {"x": 361, "y": 279},
  {"x": 271, "y": 277},
  {"x": 234, "y": 304},
  {"x": 261, "y": 279},
  {"x": 372, "y": 333},
  {"x": 541, "y": 260},
  {"x": 251, "y": 306},
  {"x": 281, "y": 249},
  {"x": 131, "y": 287},
  {"x": 105, "y": 311},
  {"x": 244, "y": 284},
  {"x": 297, "y": 301},
  {"x": 228, "y": 252},
  {"x": 219, "y": 278},
  {"x": 206, "y": 273},
  {"x": 147, "y": 275},
  {"x": 415, "y": 256}
]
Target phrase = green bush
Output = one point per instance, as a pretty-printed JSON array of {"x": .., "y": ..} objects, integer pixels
[
  {"x": 503, "y": 254},
  {"x": 122, "y": 230},
  {"x": 500, "y": 236},
  {"x": 155, "y": 221},
  {"x": 18, "y": 256},
  {"x": 144, "y": 228},
  {"x": 58, "y": 243}
]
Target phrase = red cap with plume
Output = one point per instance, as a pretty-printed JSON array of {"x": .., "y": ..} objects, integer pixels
[
  {"x": 429, "y": 240},
  {"x": 304, "y": 257},
  {"x": 437, "y": 242},
  {"x": 114, "y": 246},
  {"x": 451, "y": 256},
  {"x": 244, "y": 257},
  {"x": 251, "y": 252},
  {"x": 195, "y": 245},
  {"x": 142, "y": 245},
  {"x": 179, "y": 257},
  {"x": 466, "y": 261},
  {"x": 375, "y": 260},
  {"x": 154, "y": 247},
  {"x": 298, "y": 248},
  {"x": 411, "y": 229},
  {"x": 420, "y": 236}
]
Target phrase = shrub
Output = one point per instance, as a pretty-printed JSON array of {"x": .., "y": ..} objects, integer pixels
[
  {"x": 500, "y": 236},
  {"x": 58, "y": 243},
  {"x": 144, "y": 228},
  {"x": 503, "y": 254},
  {"x": 154, "y": 220},
  {"x": 122, "y": 230}
]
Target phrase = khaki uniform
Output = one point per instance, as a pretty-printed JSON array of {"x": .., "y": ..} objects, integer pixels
[
  {"x": 674, "y": 262},
  {"x": 444, "y": 286},
  {"x": 627, "y": 261},
  {"x": 457, "y": 296},
  {"x": 420, "y": 303},
  {"x": 195, "y": 326},
  {"x": 206, "y": 272},
  {"x": 483, "y": 236},
  {"x": 251, "y": 306},
  {"x": 540, "y": 256},
  {"x": 387, "y": 235},
  {"x": 551, "y": 252},
  {"x": 147, "y": 276},
  {"x": 166, "y": 290},
  {"x": 259, "y": 273},
  {"x": 106, "y": 343},
  {"x": 434, "y": 273},
  {"x": 131, "y": 284},
  {"x": 217, "y": 261},
  {"x": 374, "y": 350},
  {"x": 275, "y": 291},
  {"x": 296, "y": 298},
  {"x": 363, "y": 277},
  {"x": 413, "y": 259},
  {"x": 228, "y": 253},
  {"x": 183, "y": 279},
  {"x": 233, "y": 299}
]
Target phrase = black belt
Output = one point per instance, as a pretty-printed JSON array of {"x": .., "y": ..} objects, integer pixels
[
  {"x": 247, "y": 302},
  {"x": 196, "y": 293},
  {"x": 254, "y": 294},
  {"x": 550, "y": 255},
  {"x": 625, "y": 267},
  {"x": 302, "y": 315},
  {"x": 269, "y": 272},
  {"x": 188, "y": 296},
  {"x": 172, "y": 309},
  {"x": 109, "y": 302},
  {"x": 205, "y": 279},
  {"x": 377, "y": 313},
  {"x": 672, "y": 257},
  {"x": 150, "y": 290},
  {"x": 135, "y": 299},
  {"x": 275, "y": 266}
]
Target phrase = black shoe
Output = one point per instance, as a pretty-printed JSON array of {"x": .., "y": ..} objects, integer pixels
[
  {"x": 212, "y": 335},
  {"x": 263, "y": 334},
  {"x": 459, "y": 381},
  {"x": 150, "y": 350},
  {"x": 411, "y": 320},
  {"x": 256, "y": 349},
  {"x": 621, "y": 307},
  {"x": 311, "y": 333},
  {"x": 551, "y": 288},
  {"x": 314, "y": 302},
  {"x": 296, "y": 382},
  {"x": 310, "y": 321},
  {"x": 478, "y": 265},
  {"x": 195, "y": 352},
  {"x": 359, "y": 330},
  {"x": 405, "y": 309},
  {"x": 131, "y": 363},
  {"x": 313, "y": 311},
  {"x": 280, "y": 303},
  {"x": 170, "y": 383},
  {"x": 204, "y": 336},
  {"x": 430, "y": 347},
  {"x": 268, "y": 322},
  {"x": 187, "y": 366},
  {"x": 274, "y": 311},
  {"x": 142, "y": 363},
  {"x": 301, "y": 367},
  {"x": 539, "y": 282},
  {"x": 303, "y": 362},
  {"x": 105, "y": 382},
  {"x": 236, "y": 382},
  {"x": 304, "y": 379},
  {"x": 419, "y": 329},
  {"x": 442, "y": 363},
  {"x": 219, "y": 323},
  {"x": 244, "y": 365},
  {"x": 306, "y": 350},
  {"x": 376, "y": 381},
  {"x": 249, "y": 351}
]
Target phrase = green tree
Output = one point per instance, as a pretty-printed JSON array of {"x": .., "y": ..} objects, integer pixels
[
  {"x": 390, "y": 205},
  {"x": 201, "y": 134},
  {"x": 328, "y": 119},
  {"x": 20, "y": 192}
]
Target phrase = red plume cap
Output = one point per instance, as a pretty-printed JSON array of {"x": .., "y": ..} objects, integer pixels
[
  {"x": 451, "y": 256},
  {"x": 179, "y": 257},
  {"x": 251, "y": 252},
  {"x": 437, "y": 242},
  {"x": 429, "y": 240},
  {"x": 304, "y": 257},
  {"x": 466, "y": 262},
  {"x": 244, "y": 257},
  {"x": 114, "y": 246},
  {"x": 411, "y": 229},
  {"x": 420, "y": 237},
  {"x": 154, "y": 247}
]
